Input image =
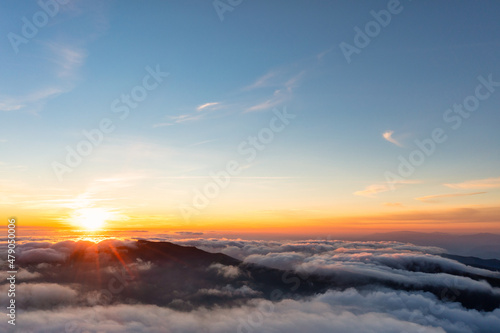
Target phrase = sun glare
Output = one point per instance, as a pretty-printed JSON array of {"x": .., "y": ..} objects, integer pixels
[{"x": 91, "y": 218}]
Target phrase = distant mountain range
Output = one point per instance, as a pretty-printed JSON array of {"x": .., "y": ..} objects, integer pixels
[
  {"x": 483, "y": 245},
  {"x": 491, "y": 264}
]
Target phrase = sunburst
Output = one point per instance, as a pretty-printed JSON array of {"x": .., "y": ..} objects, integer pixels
[{"x": 92, "y": 218}]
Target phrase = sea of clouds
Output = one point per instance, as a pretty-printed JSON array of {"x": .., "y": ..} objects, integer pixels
[{"x": 373, "y": 287}]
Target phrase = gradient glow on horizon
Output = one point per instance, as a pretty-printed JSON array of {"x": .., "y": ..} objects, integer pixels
[{"x": 323, "y": 172}]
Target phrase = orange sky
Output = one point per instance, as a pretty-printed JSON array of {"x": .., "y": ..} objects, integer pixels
[{"x": 459, "y": 220}]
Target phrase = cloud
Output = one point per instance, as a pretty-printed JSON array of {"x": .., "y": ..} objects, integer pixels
[
  {"x": 201, "y": 142},
  {"x": 393, "y": 204},
  {"x": 318, "y": 286},
  {"x": 68, "y": 59},
  {"x": 161, "y": 125},
  {"x": 185, "y": 118},
  {"x": 322, "y": 54},
  {"x": 22, "y": 275},
  {"x": 260, "y": 316},
  {"x": 476, "y": 184},
  {"x": 281, "y": 94},
  {"x": 263, "y": 81},
  {"x": 229, "y": 291},
  {"x": 388, "y": 136},
  {"x": 435, "y": 198},
  {"x": 40, "y": 295},
  {"x": 189, "y": 233},
  {"x": 338, "y": 311},
  {"x": 207, "y": 105},
  {"x": 207, "y": 109},
  {"x": 373, "y": 189},
  {"x": 45, "y": 255},
  {"x": 226, "y": 271},
  {"x": 8, "y": 103},
  {"x": 265, "y": 105},
  {"x": 456, "y": 218}
]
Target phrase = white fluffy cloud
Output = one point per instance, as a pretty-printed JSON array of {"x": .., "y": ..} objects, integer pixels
[
  {"x": 346, "y": 311},
  {"x": 227, "y": 271}
]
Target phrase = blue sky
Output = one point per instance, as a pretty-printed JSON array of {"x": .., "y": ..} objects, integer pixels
[{"x": 263, "y": 55}]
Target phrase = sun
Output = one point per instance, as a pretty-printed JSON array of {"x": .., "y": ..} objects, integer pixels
[{"x": 91, "y": 218}]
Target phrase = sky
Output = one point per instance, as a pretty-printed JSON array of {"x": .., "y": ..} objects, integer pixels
[{"x": 282, "y": 116}]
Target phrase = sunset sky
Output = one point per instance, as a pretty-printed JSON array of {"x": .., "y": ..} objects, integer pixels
[{"x": 329, "y": 129}]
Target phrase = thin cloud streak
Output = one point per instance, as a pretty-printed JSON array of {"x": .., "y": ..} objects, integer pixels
[
  {"x": 8, "y": 103},
  {"x": 238, "y": 177},
  {"x": 393, "y": 204},
  {"x": 373, "y": 189},
  {"x": 265, "y": 105},
  {"x": 280, "y": 95},
  {"x": 201, "y": 143},
  {"x": 435, "y": 198},
  {"x": 207, "y": 105},
  {"x": 476, "y": 184},
  {"x": 185, "y": 118},
  {"x": 67, "y": 58},
  {"x": 161, "y": 125},
  {"x": 262, "y": 81}
]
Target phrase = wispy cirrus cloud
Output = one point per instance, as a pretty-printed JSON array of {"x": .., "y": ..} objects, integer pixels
[
  {"x": 207, "y": 106},
  {"x": 182, "y": 118},
  {"x": 393, "y": 204},
  {"x": 280, "y": 95},
  {"x": 373, "y": 189},
  {"x": 387, "y": 135},
  {"x": 161, "y": 125},
  {"x": 437, "y": 197},
  {"x": 67, "y": 58},
  {"x": 263, "y": 81},
  {"x": 9, "y": 103},
  {"x": 185, "y": 117},
  {"x": 265, "y": 105},
  {"x": 476, "y": 184},
  {"x": 201, "y": 112},
  {"x": 322, "y": 54},
  {"x": 279, "y": 82},
  {"x": 201, "y": 142}
]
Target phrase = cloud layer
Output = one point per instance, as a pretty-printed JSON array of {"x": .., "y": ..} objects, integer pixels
[{"x": 250, "y": 286}]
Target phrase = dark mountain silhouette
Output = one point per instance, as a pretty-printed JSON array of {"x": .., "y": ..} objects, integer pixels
[{"x": 491, "y": 264}]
